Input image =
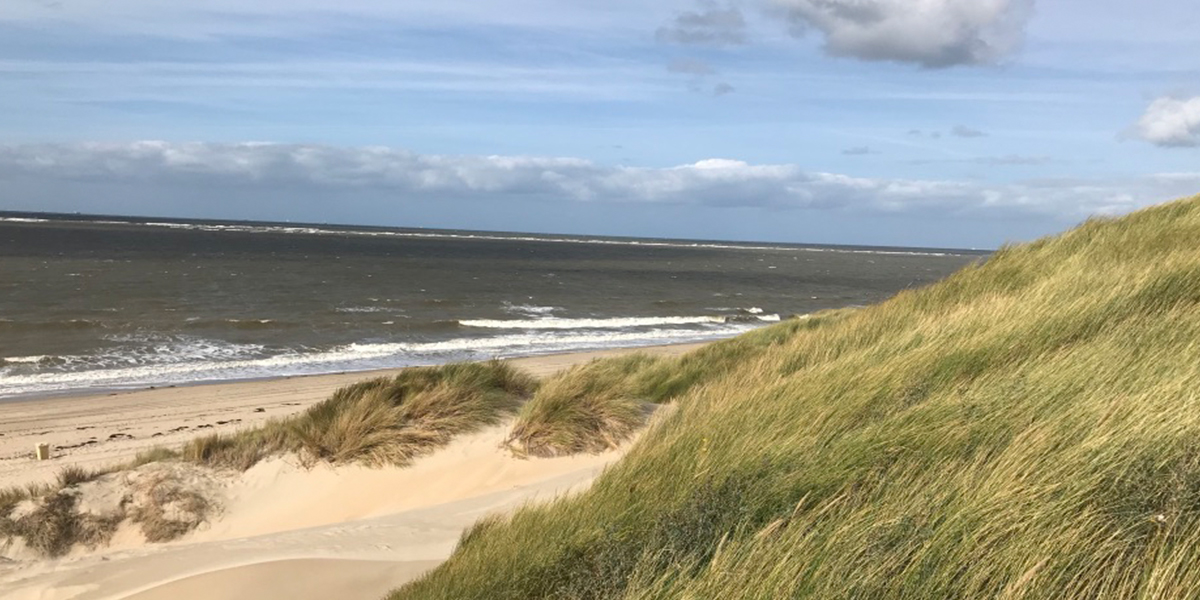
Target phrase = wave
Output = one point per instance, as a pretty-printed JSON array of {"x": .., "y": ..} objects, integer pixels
[
  {"x": 166, "y": 360},
  {"x": 312, "y": 230},
  {"x": 22, "y": 220},
  {"x": 24, "y": 360},
  {"x": 528, "y": 309},
  {"x": 610, "y": 323}
]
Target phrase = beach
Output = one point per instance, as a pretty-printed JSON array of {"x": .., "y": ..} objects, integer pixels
[
  {"x": 96, "y": 431},
  {"x": 287, "y": 530}
]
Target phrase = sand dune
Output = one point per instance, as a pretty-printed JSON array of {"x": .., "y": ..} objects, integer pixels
[
  {"x": 369, "y": 529},
  {"x": 284, "y": 530}
]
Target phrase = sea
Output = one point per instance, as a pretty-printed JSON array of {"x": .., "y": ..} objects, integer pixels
[{"x": 106, "y": 303}]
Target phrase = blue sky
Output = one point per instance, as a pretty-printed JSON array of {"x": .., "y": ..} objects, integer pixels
[{"x": 903, "y": 122}]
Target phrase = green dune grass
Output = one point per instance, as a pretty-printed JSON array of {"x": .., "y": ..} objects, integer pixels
[{"x": 1027, "y": 428}]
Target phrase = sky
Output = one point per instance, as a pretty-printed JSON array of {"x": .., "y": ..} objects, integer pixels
[{"x": 933, "y": 123}]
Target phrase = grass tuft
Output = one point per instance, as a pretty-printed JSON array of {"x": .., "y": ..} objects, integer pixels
[
  {"x": 54, "y": 526},
  {"x": 387, "y": 420},
  {"x": 75, "y": 475},
  {"x": 392, "y": 420},
  {"x": 169, "y": 509},
  {"x": 154, "y": 455},
  {"x": 586, "y": 409},
  {"x": 595, "y": 407}
]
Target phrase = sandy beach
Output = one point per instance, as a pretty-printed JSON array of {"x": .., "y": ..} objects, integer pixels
[{"x": 285, "y": 530}]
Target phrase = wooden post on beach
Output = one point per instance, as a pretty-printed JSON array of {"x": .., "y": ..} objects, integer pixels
[{"x": 42, "y": 451}]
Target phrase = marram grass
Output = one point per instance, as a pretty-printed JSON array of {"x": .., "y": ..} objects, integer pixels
[
  {"x": 599, "y": 405},
  {"x": 1027, "y": 428},
  {"x": 383, "y": 421}
]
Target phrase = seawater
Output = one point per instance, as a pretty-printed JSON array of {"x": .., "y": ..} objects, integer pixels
[{"x": 92, "y": 303}]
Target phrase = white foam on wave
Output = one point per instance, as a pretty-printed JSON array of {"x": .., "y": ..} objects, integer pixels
[
  {"x": 219, "y": 361},
  {"x": 612, "y": 323},
  {"x": 529, "y": 309},
  {"x": 607, "y": 323},
  {"x": 22, "y": 220},
  {"x": 24, "y": 359}
]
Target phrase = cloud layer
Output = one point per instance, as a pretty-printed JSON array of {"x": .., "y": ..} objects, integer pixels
[
  {"x": 316, "y": 173},
  {"x": 1171, "y": 123},
  {"x": 932, "y": 33}
]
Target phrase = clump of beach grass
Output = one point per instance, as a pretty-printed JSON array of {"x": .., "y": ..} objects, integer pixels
[
  {"x": 1028, "y": 428},
  {"x": 392, "y": 420},
  {"x": 168, "y": 508},
  {"x": 586, "y": 409},
  {"x": 49, "y": 523},
  {"x": 383, "y": 421},
  {"x": 154, "y": 455},
  {"x": 597, "y": 406}
]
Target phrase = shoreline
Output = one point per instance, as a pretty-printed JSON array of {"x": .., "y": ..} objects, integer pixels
[
  {"x": 101, "y": 390},
  {"x": 93, "y": 430}
]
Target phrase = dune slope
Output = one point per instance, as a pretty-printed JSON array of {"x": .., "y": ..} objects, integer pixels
[{"x": 1028, "y": 428}]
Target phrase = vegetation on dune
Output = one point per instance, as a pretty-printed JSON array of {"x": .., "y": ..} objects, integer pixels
[
  {"x": 1027, "y": 428},
  {"x": 388, "y": 420},
  {"x": 590, "y": 408},
  {"x": 597, "y": 406},
  {"x": 50, "y": 524}
]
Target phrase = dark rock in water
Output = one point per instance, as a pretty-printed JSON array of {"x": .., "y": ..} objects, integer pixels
[{"x": 260, "y": 410}]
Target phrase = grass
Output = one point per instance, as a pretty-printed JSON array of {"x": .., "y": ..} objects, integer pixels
[
  {"x": 388, "y": 420},
  {"x": 597, "y": 406},
  {"x": 153, "y": 455},
  {"x": 1027, "y": 428},
  {"x": 170, "y": 510},
  {"x": 53, "y": 526},
  {"x": 584, "y": 410}
]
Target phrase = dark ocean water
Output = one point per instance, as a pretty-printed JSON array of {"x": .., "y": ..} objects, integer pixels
[{"x": 113, "y": 303}]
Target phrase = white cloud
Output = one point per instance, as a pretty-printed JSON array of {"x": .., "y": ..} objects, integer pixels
[
  {"x": 1171, "y": 122},
  {"x": 932, "y": 33},
  {"x": 323, "y": 173}
]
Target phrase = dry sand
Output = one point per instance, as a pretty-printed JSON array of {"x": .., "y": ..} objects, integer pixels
[{"x": 285, "y": 531}]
